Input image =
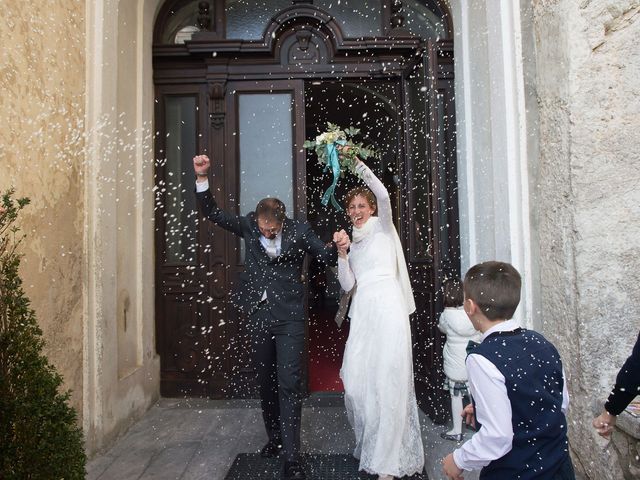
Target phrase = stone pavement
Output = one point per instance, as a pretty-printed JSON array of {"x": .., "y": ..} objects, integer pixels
[{"x": 191, "y": 439}]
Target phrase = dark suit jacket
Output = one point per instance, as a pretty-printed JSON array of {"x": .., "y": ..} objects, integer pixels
[
  {"x": 281, "y": 276},
  {"x": 627, "y": 383}
]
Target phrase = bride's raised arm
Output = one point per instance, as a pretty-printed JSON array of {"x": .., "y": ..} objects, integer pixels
[{"x": 381, "y": 193}]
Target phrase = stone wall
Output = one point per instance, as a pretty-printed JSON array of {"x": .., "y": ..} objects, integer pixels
[
  {"x": 588, "y": 203},
  {"x": 494, "y": 144},
  {"x": 42, "y": 82},
  {"x": 76, "y": 106}
]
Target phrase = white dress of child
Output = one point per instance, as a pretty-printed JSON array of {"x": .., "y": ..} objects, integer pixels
[
  {"x": 377, "y": 369},
  {"x": 455, "y": 324}
]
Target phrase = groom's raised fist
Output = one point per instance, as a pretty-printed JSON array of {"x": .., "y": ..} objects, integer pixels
[{"x": 201, "y": 164}]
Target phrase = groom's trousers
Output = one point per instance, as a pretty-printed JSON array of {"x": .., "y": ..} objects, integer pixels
[{"x": 278, "y": 346}]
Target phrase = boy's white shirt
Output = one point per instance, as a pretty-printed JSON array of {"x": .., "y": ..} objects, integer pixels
[{"x": 493, "y": 409}]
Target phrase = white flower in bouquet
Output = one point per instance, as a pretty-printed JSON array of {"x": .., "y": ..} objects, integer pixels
[
  {"x": 335, "y": 138},
  {"x": 339, "y": 153},
  {"x": 330, "y": 137}
]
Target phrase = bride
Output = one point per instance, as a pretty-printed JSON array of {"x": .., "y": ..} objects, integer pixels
[{"x": 377, "y": 370}]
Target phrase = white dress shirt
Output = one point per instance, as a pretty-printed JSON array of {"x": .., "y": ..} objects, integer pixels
[
  {"x": 493, "y": 409},
  {"x": 202, "y": 186},
  {"x": 272, "y": 247}
]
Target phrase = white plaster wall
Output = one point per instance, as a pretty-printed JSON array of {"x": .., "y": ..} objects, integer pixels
[
  {"x": 119, "y": 219},
  {"x": 588, "y": 202},
  {"x": 493, "y": 151}
]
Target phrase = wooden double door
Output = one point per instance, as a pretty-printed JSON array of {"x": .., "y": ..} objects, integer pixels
[{"x": 254, "y": 130}]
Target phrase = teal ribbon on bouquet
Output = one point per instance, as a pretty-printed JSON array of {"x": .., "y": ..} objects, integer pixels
[{"x": 333, "y": 163}]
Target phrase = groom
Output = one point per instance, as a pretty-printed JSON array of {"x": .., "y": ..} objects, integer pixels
[{"x": 271, "y": 294}]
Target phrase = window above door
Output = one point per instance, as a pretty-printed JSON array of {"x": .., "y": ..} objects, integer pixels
[
  {"x": 248, "y": 20},
  {"x": 180, "y": 21}
]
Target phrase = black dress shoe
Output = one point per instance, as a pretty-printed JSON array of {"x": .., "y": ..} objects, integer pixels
[
  {"x": 456, "y": 437},
  {"x": 293, "y": 471},
  {"x": 272, "y": 449}
]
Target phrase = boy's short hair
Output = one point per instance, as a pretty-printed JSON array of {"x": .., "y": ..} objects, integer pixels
[
  {"x": 495, "y": 288},
  {"x": 453, "y": 295},
  {"x": 271, "y": 209}
]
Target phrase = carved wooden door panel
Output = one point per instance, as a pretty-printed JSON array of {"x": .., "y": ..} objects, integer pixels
[
  {"x": 432, "y": 213},
  {"x": 185, "y": 337},
  {"x": 253, "y": 132}
]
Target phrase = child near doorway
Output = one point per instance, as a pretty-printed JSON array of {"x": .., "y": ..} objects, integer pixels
[
  {"x": 455, "y": 324},
  {"x": 517, "y": 381}
]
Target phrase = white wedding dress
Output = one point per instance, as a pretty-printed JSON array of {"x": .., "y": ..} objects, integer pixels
[{"x": 377, "y": 370}]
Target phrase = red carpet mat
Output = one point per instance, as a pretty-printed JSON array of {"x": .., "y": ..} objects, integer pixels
[{"x": 326, "y": 349}]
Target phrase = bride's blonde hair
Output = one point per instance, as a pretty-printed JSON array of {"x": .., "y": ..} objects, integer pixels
[{"x": 363, "y": 192}]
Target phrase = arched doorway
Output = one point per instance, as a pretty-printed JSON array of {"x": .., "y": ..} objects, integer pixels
[{"x": 247, "y": 83}]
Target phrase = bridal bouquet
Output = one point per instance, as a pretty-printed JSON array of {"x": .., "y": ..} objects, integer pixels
[{"x": 339, "y": 153}]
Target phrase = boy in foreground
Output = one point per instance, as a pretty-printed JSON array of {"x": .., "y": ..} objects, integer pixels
[{"x": 517, "y": 384}]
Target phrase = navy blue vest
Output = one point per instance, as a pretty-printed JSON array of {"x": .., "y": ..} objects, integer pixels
[{"x": 533, "y": 376}]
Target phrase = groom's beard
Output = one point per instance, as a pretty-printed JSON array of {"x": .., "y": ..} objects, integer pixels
[{"x": 271, "y": 235}]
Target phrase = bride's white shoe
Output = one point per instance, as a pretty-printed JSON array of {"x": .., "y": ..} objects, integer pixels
[{"x": 385, "y": 477}]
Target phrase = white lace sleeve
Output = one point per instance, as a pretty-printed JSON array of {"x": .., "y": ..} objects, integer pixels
[
  {"x": 345, "y": 275},
  {"x": 382, "y": 196}
]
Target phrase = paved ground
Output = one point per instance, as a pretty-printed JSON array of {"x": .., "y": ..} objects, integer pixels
[{"x": 198, "y": 439}]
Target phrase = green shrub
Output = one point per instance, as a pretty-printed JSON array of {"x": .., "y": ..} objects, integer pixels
[{"x": 39, "y": 434}]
